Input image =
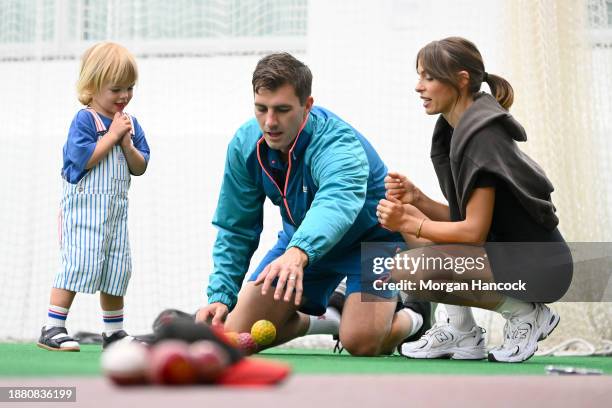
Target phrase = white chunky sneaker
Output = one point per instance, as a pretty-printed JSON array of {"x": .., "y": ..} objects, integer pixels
[
  {"x": 444, "y": 341},
  {"x": 522, "y": 333}
]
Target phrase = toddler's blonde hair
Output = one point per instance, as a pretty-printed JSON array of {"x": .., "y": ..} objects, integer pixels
[{"x": 105, "y": 63}]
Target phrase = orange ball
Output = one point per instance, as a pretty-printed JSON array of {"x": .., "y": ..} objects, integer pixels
[{"x": 233, "y": 338}]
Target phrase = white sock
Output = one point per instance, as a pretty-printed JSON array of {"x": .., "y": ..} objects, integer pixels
[
  {"x": 56, "y": 316},
  {"x": 341, "y": 287},
  {"x": 460, "y": 317},
  {"x": 113, "y": 321},
  {"x": 328, "y": 323},
  {"x": 416, "y": 318},
  {"x": 511, "y": 307}
]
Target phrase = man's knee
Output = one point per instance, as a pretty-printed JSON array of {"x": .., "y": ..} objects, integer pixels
[
  {"x": 253, "y": 306},
  {"x": 363, "y": 345},
  {"x": 365, "y": 324},
  {"x": 233, "y": 324}
]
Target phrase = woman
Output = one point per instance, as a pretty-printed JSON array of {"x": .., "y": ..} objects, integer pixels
[{"x": 496, "y": 195}]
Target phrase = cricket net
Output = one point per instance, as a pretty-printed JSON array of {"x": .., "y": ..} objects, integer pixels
[{"x": 195, "y": 61}]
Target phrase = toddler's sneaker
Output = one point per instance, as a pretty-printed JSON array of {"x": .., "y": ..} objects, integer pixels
[
  {"x": 444, "y": 341},
  {"x": 119, "y": 335},
  {"x": 522, "y": 333},
  {"x": 56, "y": 338}
]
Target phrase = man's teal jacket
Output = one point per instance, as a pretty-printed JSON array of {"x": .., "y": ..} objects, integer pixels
[{"x": 327, "y": 192}]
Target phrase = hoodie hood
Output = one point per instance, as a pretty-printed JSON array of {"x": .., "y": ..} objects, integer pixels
[
  {"x": 494, "y": 150},
  {"x": 484, "y": 111}
]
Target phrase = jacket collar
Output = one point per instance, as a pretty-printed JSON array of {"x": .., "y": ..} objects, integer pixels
[
  {"x": 302, "y": 140},
  {"x": 298, "y": 147}
]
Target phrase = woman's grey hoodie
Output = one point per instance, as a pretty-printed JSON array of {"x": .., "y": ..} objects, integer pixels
[{"x": 485, "y": 140}]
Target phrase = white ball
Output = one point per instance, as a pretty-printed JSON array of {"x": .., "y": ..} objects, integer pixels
[{"x": 125, "y": 362}]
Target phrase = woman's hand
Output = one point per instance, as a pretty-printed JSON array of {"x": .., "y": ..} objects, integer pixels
[
  {"x": 398, "y": 186},
  {"x": 395, "y": 216},
  {"x": 391, "y": 214}
]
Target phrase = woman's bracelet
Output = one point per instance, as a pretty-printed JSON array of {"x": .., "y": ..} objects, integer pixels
[{"x": 418, "y": 231}]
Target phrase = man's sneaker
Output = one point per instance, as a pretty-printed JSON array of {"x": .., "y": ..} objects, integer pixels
[
  {"x": 522, "y": 333},
  {"x": 57, "y": 339},
  {"x": 422, "y": 308},
  {"x": 336, "y": 301},
  {"x": 119, "y": 335},
  {"x": 444, "y": 341}
]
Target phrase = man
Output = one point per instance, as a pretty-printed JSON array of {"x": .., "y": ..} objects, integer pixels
[{"x": 327, "y": 180}]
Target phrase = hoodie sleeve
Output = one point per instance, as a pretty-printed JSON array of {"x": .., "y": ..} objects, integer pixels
[
  {"x": 487, "y": 151},
  {"x": 340, "y": 169},
  {"x": 239, "y": 221}
]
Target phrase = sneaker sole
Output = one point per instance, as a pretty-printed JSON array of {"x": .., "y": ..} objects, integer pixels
[
  {"x": 58, "y": 349},
  {"x": 552, "y": 325},
  {"x": 452, "y": 354}
]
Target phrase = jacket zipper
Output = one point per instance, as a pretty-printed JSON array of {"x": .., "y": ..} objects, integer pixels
[{"x": 283, "y": 193}]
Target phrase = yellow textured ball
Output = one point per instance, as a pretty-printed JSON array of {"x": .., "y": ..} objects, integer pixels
[{"x": 263, "y": 332}]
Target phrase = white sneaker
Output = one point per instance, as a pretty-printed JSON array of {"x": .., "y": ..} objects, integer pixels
[
  {"x": 444, "y": 341},
  {"x": 522, "y": 333}
]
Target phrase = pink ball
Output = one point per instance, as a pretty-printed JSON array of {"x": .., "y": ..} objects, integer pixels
[
  {"x": 246, "y": 343},
  {"x": 209, "y": 360}
]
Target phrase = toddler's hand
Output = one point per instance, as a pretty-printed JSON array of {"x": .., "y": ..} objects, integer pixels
[
  {"x": 120, "y": 126},
  {"x": 126, "y": 140}
]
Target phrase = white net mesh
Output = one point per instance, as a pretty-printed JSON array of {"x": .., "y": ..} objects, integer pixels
[
  {"x": 564, "y": 100},
  {"x": 195, "y": 60}
]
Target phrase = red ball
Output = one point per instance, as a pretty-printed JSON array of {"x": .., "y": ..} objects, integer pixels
[
  {"x": 171, "y": 364},
  {"x": 246, "y": 343},
  {"x": 209, "y": 360}
]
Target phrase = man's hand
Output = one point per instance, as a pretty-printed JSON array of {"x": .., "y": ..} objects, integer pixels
[
  {"x": 289, "y": 269},
  {"x": 215, "y": 313}
]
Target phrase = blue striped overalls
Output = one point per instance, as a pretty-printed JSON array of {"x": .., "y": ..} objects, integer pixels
[{"x": 94, "y": 242}]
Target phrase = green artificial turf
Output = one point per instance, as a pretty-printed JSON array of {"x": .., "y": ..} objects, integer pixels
[
  {"x": 27, "y": 360},
  {"x": 324, "y": 362}
]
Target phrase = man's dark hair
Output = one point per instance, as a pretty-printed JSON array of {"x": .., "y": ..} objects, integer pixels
[{"x": 276, "y": 70}]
